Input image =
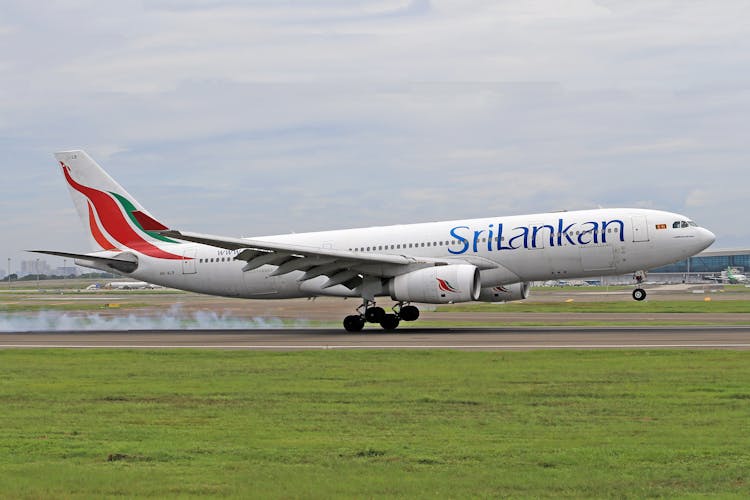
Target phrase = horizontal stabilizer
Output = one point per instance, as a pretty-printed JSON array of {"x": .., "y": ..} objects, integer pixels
[{"x": 125, "y": 264}]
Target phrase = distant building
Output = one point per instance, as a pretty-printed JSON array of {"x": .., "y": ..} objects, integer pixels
[
  {"x": 710, "y": 261},
  {"x": 66, "y": 271},
  {"x": 30, "y": 267},
  {"x": 702, "y": 267},
  {"x": 696, "y": 269}
]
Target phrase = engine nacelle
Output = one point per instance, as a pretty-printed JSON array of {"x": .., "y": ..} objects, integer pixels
[
  {"x": 505, "y": 293},
  {"x": 437, "y": 285}
]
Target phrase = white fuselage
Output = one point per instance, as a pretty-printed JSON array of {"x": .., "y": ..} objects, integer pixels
[{"x": 507, "y": 250}]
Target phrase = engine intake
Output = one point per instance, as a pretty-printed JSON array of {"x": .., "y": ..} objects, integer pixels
[{"x": 437, "y": 285}]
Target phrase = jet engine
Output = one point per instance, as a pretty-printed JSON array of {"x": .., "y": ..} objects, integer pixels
[
  {"x": 505, "y": 293},
  {"x": 437, "y": 285}
]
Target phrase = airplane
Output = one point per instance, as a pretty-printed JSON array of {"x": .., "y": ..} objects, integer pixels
[
  {"x": 489, "y": 259},
  {"x": 729, "y": 275},
  {"x": 130, "y": 285}
]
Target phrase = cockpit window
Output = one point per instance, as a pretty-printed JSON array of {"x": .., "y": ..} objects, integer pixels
[{"x": 683, "y": 223}]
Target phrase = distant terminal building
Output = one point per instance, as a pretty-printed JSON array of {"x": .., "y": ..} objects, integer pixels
[{"x": 697, "y": 268}]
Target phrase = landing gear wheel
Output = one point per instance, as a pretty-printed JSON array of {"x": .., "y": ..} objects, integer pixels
[
  {"x": 389, "y": 322},
  {"x": 639, "y": 294},
  {"x": 409, "y": 313},
  {"x": 374, "y": 314},
  {"x": 354, "y": 323}
]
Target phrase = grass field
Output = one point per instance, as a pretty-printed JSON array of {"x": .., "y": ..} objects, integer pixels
[
  {"x": 625, "y": 424},
  {"x": 628, "y": 306}
]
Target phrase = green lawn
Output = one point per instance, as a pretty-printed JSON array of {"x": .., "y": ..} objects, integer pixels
[
  {"x": 24, "y": 307},
  {"x": 628, "y": 306},
  {"x": 87, "y": 424}
]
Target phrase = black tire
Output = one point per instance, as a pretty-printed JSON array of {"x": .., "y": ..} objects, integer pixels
[
  {"x": 374, "y": 314},
  {"x": 409, "y": 313},
  {"x": 639, "y": 294},
  {"x": 354, "y": 323},
  {"x": 389, "y": 322}
]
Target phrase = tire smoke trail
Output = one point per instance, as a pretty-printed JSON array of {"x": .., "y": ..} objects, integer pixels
[{"x": 173, "y": 319}]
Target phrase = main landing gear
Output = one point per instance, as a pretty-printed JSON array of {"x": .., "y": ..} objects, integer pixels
[
  {"x": 639, "y": 293},
  {"x": 368, "y": 312}
]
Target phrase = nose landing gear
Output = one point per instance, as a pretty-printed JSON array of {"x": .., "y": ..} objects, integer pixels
[{"x": 639, "y": 293}]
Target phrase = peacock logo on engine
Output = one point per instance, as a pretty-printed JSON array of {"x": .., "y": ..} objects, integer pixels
[{"x": 445, "y": 286}]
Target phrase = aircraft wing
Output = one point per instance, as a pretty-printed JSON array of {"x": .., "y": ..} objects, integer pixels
[{"x": 342, "y": 267}]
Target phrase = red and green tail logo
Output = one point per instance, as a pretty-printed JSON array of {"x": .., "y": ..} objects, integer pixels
[
  {"x": 111, "y": 209},
  {"x": 445, "y": 286}
]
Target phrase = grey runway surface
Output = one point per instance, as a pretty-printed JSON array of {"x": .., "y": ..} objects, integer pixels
[{"x": 517, "y": 338}]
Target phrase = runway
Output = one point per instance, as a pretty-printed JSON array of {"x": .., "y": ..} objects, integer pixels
[{"x": 508, "y": 339}]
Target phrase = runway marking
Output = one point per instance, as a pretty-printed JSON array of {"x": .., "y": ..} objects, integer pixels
[{"x": 374, "y": 346}]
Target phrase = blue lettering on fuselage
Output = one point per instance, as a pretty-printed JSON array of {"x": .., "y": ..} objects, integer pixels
[
  {"x": 461, "y": 240},
  {"x": 564, "y": 233}
]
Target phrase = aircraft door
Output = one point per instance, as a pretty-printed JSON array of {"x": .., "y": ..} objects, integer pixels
[
  {"x": 640, "y": 228},
  {"x": 188, "y": 261}
]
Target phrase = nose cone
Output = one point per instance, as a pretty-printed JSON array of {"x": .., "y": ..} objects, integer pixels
[{"x": 706, "y": 238}]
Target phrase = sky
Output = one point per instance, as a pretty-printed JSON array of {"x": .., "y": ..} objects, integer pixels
[{"x": 249, "y": 118}]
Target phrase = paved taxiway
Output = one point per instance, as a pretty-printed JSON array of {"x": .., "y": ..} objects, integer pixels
[{"x": 517, "y": 338}]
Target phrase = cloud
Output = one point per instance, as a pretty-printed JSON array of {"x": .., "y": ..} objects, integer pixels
[{"x": 259, "y": 117}]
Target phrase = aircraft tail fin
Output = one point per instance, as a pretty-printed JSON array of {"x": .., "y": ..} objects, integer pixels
[{"x": 113, "y": 219}]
